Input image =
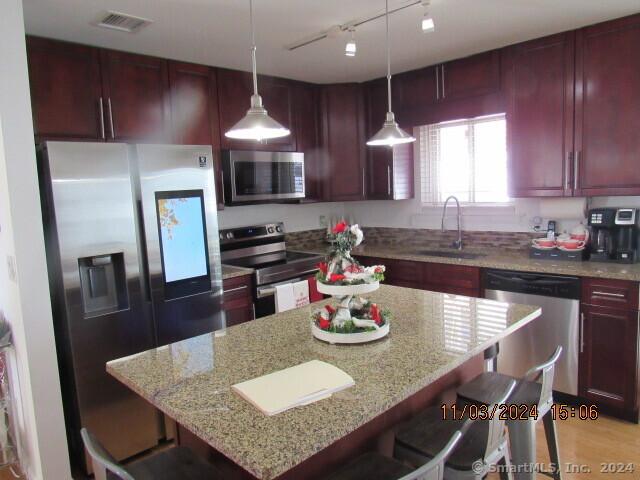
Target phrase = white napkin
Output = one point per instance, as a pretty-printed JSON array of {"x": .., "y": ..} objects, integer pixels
[
  {"x": 301, "y": 293},
  {"x": 285, "y": 299}
]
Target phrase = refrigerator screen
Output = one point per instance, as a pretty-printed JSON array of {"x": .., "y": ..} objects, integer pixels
[{"x": 183, "y": 242}]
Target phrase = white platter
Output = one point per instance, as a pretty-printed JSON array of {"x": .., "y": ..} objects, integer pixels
[
  {"x": 344, "y": 290},
  {"x": 349, "y": 338}
]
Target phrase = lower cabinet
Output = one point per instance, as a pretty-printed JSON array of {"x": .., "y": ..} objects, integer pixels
[
  {"x": 437, "y": 277},
  {"x": 609, "y": 337},
  {"x": 238, "y": 299}
]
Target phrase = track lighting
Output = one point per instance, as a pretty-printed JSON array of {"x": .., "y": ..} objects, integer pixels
[
  {"x": 428, "y": 25},
  {"x": 350, "y": 48}
]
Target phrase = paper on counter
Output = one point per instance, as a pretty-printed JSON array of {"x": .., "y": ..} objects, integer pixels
[{"x": 294, "y": 386}]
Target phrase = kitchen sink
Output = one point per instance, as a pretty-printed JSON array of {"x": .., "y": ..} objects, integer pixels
[{"x": 440, "y": 253}]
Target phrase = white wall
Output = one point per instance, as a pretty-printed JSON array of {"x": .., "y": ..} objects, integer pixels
[
  {"x": 24, "y": 290},
  {"x": 295, "y": 217}
]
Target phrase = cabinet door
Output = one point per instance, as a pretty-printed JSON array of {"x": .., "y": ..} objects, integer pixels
[
  {"x": 307, "y": 126},
  {"x": 135, "y": 89},
  {"x": 343, "y": 132},
  {"x": 414, "y": 92},
  {"x": 65, "y": 90},
  {"x": 379, "y": 159},
  {"x": 234, "y": 96},
  {"x": 607, "y": 111},
  {"x": 608, "y": 356},
  {"x": 470, "y": 76},
  {"x": 540, "y": 117},
  {"x": 194, "y": 111}
]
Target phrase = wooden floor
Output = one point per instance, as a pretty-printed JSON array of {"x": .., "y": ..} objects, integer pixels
[
  {"x": 593, "y": 443},
  {"x": 590, "y": 443}
]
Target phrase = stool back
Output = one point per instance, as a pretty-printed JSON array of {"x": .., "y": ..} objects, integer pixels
[
  {"x": 434, "y": 468},
  {"x": 101, "y": 460},
  {"x": 497, "y": 429},
  {"x": 545, "y": 370}
]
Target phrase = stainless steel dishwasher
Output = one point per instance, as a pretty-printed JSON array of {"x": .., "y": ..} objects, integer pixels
[{"x": 559, "y": 324}]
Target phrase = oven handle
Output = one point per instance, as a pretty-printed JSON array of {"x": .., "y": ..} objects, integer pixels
[{"x": 270, "y": 290}]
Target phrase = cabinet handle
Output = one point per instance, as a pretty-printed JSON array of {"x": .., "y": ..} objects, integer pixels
[
  {"x": 576, "y": 169},
  {"x": 236, "y": 289},
  {"x": 113, "y": 131},
  {"x": 363, "y": 187},
  {"x": 253, "y": 308},
  {"x": 101, "y": 109},
  {"x": 437, "y": 84},
  {"x": 568, "y": 169},
  {"x": 608, "y": 294},
  {"x": 581, "y": 332},
  {"x": 388, "y": 180},
  {"x": 444, "y": 95},
  {"x": 222, "y": 186}
]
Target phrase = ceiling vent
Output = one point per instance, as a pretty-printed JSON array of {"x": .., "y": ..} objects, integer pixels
[{"x": 122, "y": 22}]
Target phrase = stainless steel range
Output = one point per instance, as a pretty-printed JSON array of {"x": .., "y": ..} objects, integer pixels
[{"x": 263, "y": 248}]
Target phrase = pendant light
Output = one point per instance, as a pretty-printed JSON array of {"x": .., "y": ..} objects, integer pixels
[
  {"x": 390, "y": 134},
  {"x": 256, "y": 124}
]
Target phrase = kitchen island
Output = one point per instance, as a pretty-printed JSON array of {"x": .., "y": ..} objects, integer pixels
[{"x": 432, "y": 336}]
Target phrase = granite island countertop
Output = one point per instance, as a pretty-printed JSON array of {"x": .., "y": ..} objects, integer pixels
[
  {"x": 501, "y": 259},
  {"x": 431, "y": 335},
  {"x": 231, "y": 271}
]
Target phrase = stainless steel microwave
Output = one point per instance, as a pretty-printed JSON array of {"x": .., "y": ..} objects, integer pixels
[{"x": 252, "y": 177}]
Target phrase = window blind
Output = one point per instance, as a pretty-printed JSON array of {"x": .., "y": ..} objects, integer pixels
[{"x": 466, "y": 158}]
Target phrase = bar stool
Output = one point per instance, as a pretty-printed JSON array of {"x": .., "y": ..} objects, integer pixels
[
  {"x": 374, "y": 466},
  {"x": 176, "y": 463},
  {"x": 484, "y": 445},
  {"x": 522, "y": 433}
]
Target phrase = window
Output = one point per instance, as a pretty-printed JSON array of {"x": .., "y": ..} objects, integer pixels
[{"x": 466, "y": 158}]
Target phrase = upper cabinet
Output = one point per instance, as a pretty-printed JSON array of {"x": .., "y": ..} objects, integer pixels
[
  {"x": 389, "y": 170},
  {"x": 463, "y": 88},
  {"x": 66, "y": 90},
  {"x": 135, "y": 89},
  {"x": 343, "y": 141},
  {"x": 607, "y": 109},
  {"x": 572, "y": 122},
  {"x": 540, "y": 79},
  {"x": 234, "y": 97},
  {"x": 307, "y": 131}
]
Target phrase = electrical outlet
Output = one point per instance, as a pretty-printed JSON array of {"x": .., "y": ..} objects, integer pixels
[{"x": 323, "y": 220}]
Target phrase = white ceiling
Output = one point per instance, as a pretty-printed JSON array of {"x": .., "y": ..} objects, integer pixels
[{"x": 216, "y": 32}]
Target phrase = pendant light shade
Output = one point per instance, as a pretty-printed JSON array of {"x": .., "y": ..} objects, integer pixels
[
  {"x": 390, "y": 134},
  {"x": 256, "y": 124}
]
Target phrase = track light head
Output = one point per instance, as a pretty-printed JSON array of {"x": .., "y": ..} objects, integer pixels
[{"x": 350, "y": 48}]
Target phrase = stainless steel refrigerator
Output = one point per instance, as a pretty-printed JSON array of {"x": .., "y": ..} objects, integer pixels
[{"x": 134, "y": 263}]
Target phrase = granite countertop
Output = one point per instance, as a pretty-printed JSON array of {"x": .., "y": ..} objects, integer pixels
[
  {"x": 431, "y": 335},
  {"x": 508, "y": 260},
  {"x": 230, "y": 271}
]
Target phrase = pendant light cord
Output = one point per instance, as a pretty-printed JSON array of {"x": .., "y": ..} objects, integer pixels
[
  {"x": 253, "y": 49},
  {"x": 386, "y": 9}
]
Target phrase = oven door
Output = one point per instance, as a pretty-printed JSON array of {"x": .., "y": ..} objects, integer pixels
[
  {"x": 265, "y": 298},
  {"x": 251, "y": 177}
]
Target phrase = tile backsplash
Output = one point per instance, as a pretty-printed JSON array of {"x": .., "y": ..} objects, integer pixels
[{"x": 418, "y": 237}]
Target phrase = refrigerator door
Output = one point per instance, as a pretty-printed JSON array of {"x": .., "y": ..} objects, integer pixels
[
  {"x": 99, "y": 309},
  {"x": 176, "y": 196}
]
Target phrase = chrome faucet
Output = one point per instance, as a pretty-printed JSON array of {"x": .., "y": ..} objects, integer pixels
[{"x": 458, "y": 243}]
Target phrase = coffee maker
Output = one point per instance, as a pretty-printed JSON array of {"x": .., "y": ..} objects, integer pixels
[{"x": 614, "y": 235}]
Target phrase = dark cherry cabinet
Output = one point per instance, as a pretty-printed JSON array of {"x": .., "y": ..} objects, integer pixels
[
  {"x": 234, "y": 99},
  {"x": 342, "y": 107},
  {"x": 193, "y": 100},
  {"x": 609, "y": 341},
  {"x": 470, "y": 76},
  {"x": 135, "y": 89},
  {"x": 607, "y": 110},
  {"x": 66, "y": 90},
  {"x": 307, "y": 130},
  {"x": 540, "y": 108},
  {"x": 389, "y": 170},
  {"x": 238, "y": 300},
  {"x": 414, "y": 94}
]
